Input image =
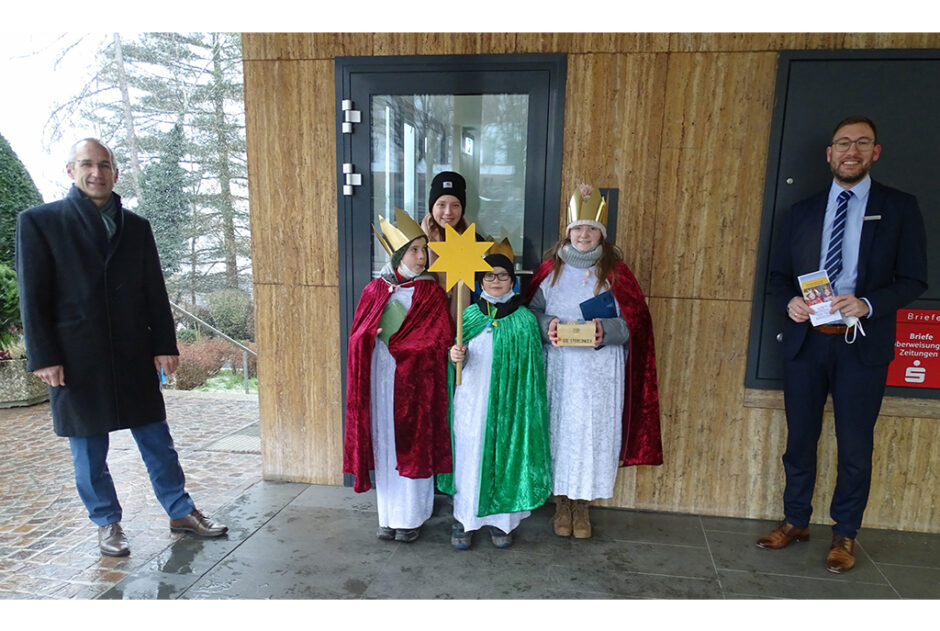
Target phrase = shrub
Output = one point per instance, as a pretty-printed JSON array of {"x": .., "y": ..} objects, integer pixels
[
  {"x": 235, "y": 359},
  {"x": 9, "y": 307},
  {"x": 232, "y": 312},
  {"x": 190, "y": 374},
  {"x": 17, "y": 192},
  {"x": 200, "y": 360},
  {"x": 187, "y": 335}
]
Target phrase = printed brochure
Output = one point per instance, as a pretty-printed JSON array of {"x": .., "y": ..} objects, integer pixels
[{"x": 818, "y": 292}]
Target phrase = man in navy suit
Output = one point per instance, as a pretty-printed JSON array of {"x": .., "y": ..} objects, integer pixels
[{"x": 875, "y": 245}]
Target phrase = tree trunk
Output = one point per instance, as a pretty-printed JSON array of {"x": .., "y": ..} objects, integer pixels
[
  {"x": 226, "y": 205},
  {"x": 133, "y": 159}
]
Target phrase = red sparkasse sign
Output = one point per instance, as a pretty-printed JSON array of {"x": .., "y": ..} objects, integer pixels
[{"x": 916, "y": 350}]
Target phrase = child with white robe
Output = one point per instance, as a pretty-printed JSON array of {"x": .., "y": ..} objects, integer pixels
[
  {"x": 396, "y": 399},
  {"x": 603, "y": 399},
  {"x": 499, "y": 413}
]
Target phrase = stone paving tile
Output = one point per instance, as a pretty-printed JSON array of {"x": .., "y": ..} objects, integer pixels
[{"x": 48, "y": 546}]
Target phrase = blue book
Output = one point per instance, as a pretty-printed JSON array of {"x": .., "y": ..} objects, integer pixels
[{"x": 600, "y": 306}]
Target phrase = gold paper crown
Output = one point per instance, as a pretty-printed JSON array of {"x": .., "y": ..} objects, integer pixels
[
  {"x": 393, "y": 238},
  {"x": 593, "y": 208},
  {"x": 501, "y": 247}
]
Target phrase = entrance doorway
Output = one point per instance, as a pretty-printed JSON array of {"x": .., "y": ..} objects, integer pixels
[{"x": 495, "y": 119}]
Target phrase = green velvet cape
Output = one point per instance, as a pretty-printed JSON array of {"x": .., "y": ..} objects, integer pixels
[{"x": 515, "y": 474}]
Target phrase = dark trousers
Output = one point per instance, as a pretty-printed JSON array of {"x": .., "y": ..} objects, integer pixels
[
  {"x": 826, "y": 364},
  {"x": 96, "y": 488}
]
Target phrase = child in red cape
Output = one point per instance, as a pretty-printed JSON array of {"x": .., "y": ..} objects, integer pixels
[{"x": 396, "y": 385}]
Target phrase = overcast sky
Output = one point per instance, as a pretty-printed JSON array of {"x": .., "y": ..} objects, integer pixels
[{"x": 32, "y": 85}]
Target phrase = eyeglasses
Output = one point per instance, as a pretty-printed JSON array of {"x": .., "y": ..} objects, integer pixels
[
  {"x": 863, "y": 144},
  {"x": 490, "y": 276}
]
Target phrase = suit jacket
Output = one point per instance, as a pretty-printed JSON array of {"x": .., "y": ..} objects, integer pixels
[
  {"x": 892, "y": 266},
  {"x": 99, "y": 308}
]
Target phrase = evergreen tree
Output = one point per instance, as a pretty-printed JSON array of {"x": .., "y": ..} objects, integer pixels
[
  {"x": 164, "y": 201},
  {"x": 17, "y": 192},
  {"x": 146, "y": 85}
]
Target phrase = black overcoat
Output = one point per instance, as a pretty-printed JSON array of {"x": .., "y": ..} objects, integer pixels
[{"x": 99, "y": 308}]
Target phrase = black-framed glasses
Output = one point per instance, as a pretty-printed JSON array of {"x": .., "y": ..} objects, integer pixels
[
  {"x": 863, "y": 144},
  {"x": 491, "y": 276}
]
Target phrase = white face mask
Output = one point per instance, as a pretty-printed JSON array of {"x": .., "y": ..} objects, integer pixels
[
  {"x": 497, "y": 300},
  {"x": 854, "y": 326},
  {"x": 406, "y": 272}
]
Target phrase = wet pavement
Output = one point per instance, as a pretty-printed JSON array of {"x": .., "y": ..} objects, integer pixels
[
  {"x": 302, "y": 541},
  {"x": 48, "y": 546}
]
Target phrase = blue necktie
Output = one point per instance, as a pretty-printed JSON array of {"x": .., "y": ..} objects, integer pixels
[{"x": 834, "y": 253}]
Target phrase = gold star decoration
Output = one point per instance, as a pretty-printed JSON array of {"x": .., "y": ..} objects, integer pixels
[{"x": 460, "y": 256}]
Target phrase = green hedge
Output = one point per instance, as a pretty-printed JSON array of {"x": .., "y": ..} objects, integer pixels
[
  {"x": 17, "y": 192},
  {"x": 9, "y": 307}
]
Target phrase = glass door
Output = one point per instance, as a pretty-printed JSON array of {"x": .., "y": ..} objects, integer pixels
[
  {"x": 495, "y": 119},
  {"x": 481, "y": 136}
]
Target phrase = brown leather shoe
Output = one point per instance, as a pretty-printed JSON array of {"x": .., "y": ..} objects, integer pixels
[
  {"x": 841, "y": 557},
  {"x": 561, "y": 522},
  {"x": 783, "y": 535},
  {"x": 198, "y": 524},
  {"x": 111, "y": 540}
]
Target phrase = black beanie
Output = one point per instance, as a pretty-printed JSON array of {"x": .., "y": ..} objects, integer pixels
[
  {"x": 499, "y": 260},
  {"x": 448, "y": 183}
]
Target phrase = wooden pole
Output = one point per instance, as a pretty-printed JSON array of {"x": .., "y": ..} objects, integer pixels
[{"x": 460, "y": 308}]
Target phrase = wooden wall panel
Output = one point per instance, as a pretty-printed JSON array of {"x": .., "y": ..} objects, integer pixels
[
  {"x": 679, "y": 123},
  {"x": 292, "y": 171},
  {"x": 751, "y": 42},
  {"x": 274, "y": 46},
  {"x": 300, "y": 397},
  {"x": 891, "y": 40},
  {"x": 712, "y": 167},
  {"x": 714, "y": 449},
  {"x": 748, "y": 42},
  {"x": 444, "y": 43},
  {"x": 575, "y": 43},
  {"x": 284, "y": 46},
  {"x": 906, "y": 475},
  {"x": 628, "y": 89}
]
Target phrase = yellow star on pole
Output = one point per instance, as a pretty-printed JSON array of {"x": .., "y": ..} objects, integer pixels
[{"x": 460, "y": 256}]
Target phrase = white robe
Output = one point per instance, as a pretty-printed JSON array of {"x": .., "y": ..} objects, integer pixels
[
  {"x": 585, "y": 397},
  {"x": 470, "y": 400},
  {"x": 401, "y": 502}
]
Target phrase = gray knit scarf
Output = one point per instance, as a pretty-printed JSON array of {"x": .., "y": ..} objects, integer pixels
[{"x": 576, "y": 258}]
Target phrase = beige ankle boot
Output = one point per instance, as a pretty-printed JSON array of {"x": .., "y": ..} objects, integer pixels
[
  {"x": 562, "y": 519},
  {"x": 581, "y": 520}
]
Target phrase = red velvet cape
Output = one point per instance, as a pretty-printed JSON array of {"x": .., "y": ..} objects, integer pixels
[
  {"x": 422, "y": 435},
  {"x": 641, "y": 441}
]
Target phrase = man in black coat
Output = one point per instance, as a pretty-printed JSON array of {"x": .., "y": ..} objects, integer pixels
[
  {"x": 98, "y": 331},
  {"x": 870, "y": 238}
]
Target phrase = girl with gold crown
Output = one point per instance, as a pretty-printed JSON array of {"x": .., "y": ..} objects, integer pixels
[
  {"x": 499, "y": 413},
  {"x": 603, "y": 400},
  {"x": 396, "y": 384}
]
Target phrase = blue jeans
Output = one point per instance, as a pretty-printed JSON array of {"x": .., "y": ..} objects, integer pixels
[{"x": 96, "y": 488}]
